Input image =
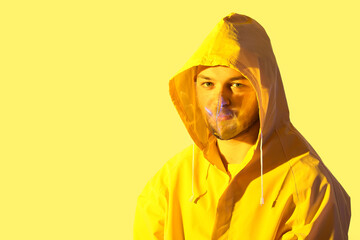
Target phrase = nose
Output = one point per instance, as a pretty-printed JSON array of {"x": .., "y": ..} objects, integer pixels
[
  {"x": 223, "y": 102},
  {"x": 223, "y": 99}
]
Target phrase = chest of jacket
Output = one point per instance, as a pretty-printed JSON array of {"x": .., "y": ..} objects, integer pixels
[{"x": 230, "y": 209}]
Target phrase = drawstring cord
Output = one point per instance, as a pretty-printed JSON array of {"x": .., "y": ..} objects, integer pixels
[
  {"x": 261, "y": 163},
  {"x": 192, "y": 177}
]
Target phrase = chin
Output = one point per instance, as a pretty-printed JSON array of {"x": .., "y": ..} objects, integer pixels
[{"x": 225, "y": 136}]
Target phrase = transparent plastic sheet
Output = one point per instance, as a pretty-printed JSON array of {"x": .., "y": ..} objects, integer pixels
[
  {"x": 229, "y": 107},
  {"x": 222, "y": 120}
]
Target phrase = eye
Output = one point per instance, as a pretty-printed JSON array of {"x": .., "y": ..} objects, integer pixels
[
  {"x": 237, "y": 85},
  {"x": 207, "y": 84}
]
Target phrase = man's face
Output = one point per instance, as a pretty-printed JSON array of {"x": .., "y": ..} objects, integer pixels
[{"x": 227, "y": 101}]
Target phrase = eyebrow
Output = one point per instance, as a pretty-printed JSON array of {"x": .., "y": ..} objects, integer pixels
[{"x": 231, "y": 79}]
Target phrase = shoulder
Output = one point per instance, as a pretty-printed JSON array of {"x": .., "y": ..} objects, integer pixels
[
  {"x": 181, "y": 159},
  {"x": 320, "y": 197},
  {"x": 312, "y": 178},
  {"x": 178, "y": 165},
  {"x": 308, "y": 170}
]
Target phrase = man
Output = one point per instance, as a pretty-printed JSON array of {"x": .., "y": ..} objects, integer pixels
[{"x": 250, "y": 173}]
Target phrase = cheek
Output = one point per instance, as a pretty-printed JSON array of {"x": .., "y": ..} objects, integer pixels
[
  {"x": 249, "y": 106},
  {"x": 205, "y": 103},
  {"x": 253, "y": 104}
]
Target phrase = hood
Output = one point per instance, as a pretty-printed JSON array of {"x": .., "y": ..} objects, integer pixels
[
  {"x": 241, "y": 43},
  {"x": 238, "y": 42}
]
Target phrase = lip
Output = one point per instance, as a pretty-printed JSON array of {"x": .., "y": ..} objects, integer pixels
[{"x": 224, "y": 116}]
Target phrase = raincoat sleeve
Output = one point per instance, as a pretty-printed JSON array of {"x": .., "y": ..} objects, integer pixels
[
  {"x": 323, "y": 212},
  {"x": 151, "y": 211}
]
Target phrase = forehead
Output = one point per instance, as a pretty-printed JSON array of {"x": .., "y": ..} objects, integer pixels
[{"x": 218, "y": 73}]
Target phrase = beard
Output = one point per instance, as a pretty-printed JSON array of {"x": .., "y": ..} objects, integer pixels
[{"x": 229, "y": 129}]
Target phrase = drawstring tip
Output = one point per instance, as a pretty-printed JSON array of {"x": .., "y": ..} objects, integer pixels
[
  {"x": 261, "y": 201},
  {"x": 191, "y": 198}
]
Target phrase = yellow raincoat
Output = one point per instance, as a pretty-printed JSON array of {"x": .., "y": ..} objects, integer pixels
[{"x": 282, "y": 189}]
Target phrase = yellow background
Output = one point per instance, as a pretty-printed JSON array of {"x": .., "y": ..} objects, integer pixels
[{"x": 86, "y": 118}]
